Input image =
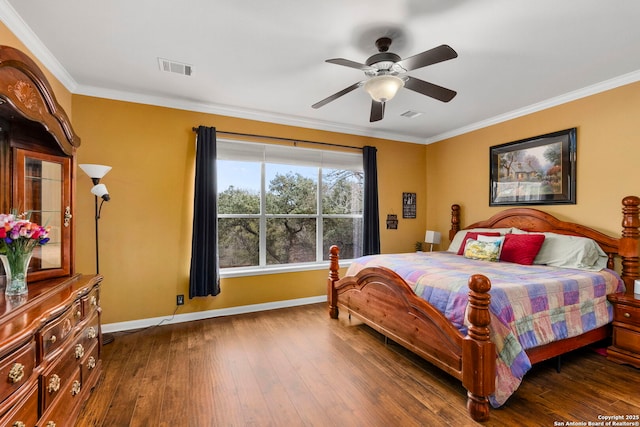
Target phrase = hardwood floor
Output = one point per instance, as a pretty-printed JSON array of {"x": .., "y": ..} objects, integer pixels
[{"x": 297, "y": 367}]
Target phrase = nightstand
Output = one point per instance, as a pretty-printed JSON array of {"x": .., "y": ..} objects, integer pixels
[{"x": 626, "y": 330}]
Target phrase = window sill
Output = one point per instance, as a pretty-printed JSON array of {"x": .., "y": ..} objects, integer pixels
[{"x": 279, "y": 269}]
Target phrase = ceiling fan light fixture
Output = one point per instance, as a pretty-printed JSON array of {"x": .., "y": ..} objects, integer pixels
[
  {"x": 382, "y": 82},
  {"x": 383, "y": 88}
]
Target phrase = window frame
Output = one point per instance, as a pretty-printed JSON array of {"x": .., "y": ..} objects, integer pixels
[{"x": 263, "y": 217}]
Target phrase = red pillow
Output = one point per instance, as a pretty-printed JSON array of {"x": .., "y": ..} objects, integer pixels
[
  {"x": 521, "y": 248},
  {"x": 473, "y": 235}
]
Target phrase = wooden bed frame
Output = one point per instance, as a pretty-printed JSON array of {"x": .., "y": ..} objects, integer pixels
[{"x": 384, "y": 301}]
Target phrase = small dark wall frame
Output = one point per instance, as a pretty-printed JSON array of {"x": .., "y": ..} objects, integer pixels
[
  {"x": 534, "y": 171},
  {"x": 408, "y": 205},
  {"x": 392, "y": 222}
]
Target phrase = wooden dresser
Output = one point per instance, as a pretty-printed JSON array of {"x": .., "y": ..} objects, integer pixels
[
  {"x": 50, "y": 340},
  {"x": 625, "y": 347},
  {"x": 49, "y": 352}
]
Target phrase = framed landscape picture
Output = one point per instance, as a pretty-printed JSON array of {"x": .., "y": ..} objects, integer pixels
[{"x": 534, "y": 171}]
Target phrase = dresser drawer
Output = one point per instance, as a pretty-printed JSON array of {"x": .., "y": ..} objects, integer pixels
[
  {"x": 26, "y": 411},
  {"x": 16, "y": 369},
  {"x": 627, "y": 314},
  {"x": 90, "y": 302},
  {"x": 626, "y": 339},
  {"x": 90, "y": 333},
  {"x": 57, "y": 331},
  {"x": 59, "y": 412},
  {"x": 59, "y": 376},
  {"x": 90, "y": 366}
]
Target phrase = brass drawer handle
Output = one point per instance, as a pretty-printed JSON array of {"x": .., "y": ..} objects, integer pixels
[
  {"x": 79, "y": 351},
  {"x": 18, "y": 424},
  {"x": 54, "y": 384},
  {"x": 93, "y": 300},
  {"x": 627, "y": 315},
  {"x": 51, "y": 424},
  {"x": 16, "y": 373},
  {"x": 92, "y": 333},
  {"x": 91, "y": 363},
  {"x": 52, "y": 339},
  {"x": 78, "y": 313},
  {"x": 75, "y": 388}
]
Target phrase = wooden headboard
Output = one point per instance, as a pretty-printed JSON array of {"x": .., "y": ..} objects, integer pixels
[{"x": 625, "y": 247}]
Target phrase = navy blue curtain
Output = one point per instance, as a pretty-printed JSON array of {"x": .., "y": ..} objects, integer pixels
[
  {"x": 371, "y": 238},
  {"x": 204, "y": 276}
]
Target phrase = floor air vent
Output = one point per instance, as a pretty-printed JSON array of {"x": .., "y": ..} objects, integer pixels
[{"x": 175, "y": 67}]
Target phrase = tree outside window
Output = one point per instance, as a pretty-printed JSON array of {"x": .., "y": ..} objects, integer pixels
[{"x": 278, "y": 214}]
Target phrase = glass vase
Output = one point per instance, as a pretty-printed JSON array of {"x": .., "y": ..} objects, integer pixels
[{"x": 15, "y": 267}]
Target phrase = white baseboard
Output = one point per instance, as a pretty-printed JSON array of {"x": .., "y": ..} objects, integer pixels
[{"x": 199, "y": 315}]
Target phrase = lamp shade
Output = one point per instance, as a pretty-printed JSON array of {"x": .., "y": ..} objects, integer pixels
[
  {"x": 100, "y": 190},
  {"x": 95, "y": 171},
  {"x": 432, "y": 237},
  {"x": 383, "y": 88}
]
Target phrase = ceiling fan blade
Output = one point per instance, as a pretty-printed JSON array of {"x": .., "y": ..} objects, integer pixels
[
  {"x": 377, "y": 111},
  {"x": 337, "y": 95},
  {"x": 433, "y": 56},
  {"x": 434, "y": 91},
  {"x": 349, "y": 63}
]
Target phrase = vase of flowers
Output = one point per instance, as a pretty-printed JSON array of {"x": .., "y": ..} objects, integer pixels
[{"x": 18, "y": 238}]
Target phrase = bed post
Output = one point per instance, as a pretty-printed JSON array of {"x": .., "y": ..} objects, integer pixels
[
  {"x": 455, "y": 221},
  {"x": 332, "y": 295},
  {"x": 628, "y": 248},
  {"x": 478, "y": 352}
]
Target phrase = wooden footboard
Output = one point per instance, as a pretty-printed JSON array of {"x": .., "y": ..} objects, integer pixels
[{"x": 383, "y": 300}]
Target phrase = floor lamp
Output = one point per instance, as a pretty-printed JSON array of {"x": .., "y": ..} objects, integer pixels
[{"x": 99, "y": 191}]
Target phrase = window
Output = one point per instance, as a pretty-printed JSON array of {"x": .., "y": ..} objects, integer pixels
[{"x": 282, "y": 205}]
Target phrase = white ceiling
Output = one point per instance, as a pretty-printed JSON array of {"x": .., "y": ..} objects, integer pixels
[{"x": 264, "y": 59}]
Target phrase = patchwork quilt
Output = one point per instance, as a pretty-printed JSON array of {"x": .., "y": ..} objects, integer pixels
[{"x": 531, "y": 305}]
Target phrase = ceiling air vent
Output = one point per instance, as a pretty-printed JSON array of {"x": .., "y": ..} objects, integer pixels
[
  {"x": 175, "y": 67},
  {"x": 411, "y": 114}
]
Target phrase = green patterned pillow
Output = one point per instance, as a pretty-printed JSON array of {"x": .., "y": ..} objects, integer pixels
[{"x": 487, "y": 251}]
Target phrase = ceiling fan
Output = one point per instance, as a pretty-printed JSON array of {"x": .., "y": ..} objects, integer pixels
[{"x": 386, "y": 75}]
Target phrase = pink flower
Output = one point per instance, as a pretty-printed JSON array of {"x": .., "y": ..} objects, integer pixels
[{"x": 20, "y": 234}]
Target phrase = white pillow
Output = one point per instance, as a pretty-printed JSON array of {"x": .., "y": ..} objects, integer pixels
[
  {"x": 460, "y": 235},
  {"x": 560, "y": 250}
]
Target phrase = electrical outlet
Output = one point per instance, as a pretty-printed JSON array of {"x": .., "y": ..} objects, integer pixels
[{"x": 179, "y": 299}]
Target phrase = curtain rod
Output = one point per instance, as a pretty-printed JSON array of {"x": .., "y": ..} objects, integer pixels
[{"x": 276, "y": 138}]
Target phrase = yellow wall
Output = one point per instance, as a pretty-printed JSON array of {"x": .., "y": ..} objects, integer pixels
[
  {"x": 607, "y": 161},
  {"x": 145, "y": 229}
]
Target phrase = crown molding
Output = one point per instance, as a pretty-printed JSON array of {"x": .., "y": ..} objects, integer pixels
[
  {"x": 243, "y": 113},
  {"x": 549, "y": 103},
  {"x": 22, "y": 31}
]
